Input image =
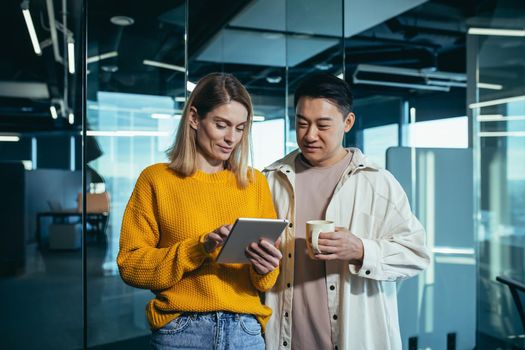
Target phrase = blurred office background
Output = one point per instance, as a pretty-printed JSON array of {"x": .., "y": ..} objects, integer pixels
[{"x": 440, "y": 101}]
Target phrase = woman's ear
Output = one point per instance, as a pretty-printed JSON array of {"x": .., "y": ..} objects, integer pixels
[
  {"x": 194, "y": 118},
  {"x": 349, "y": 121}
]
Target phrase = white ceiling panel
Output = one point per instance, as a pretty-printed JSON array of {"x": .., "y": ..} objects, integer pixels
[
  {"x": 318, "y": 19},
  {"x": 244, "y": 47},
  {"x": 361, "y": 15}
]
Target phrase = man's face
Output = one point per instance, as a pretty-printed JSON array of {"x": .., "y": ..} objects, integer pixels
[{"x": 320, "y": 128}]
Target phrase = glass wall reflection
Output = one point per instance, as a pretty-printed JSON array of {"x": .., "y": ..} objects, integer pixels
[
  {"x": 40, "y": 176},
  {"x": 411, "y": 119},
  {"x": 499, "y": 128},
  {"x": 251, "y": 44},
  {"x": 315, "y": 43},
  {"x": 135, "y": 91}
]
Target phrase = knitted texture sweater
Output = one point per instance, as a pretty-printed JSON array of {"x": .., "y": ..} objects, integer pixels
[{"x": 161, "y": 243}]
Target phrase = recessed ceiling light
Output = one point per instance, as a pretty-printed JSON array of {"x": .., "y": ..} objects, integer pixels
[
  {"x": 122, "y": 21},
  {"x": 273, "y": 36},
  {"x": 324, "y": 66},
  {"x": 274, "y": 79},
  {"x": 109, "y": 68}
]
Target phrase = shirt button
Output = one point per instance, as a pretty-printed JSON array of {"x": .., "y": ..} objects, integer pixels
[
  {"x": 336, "y": 348},
  {"x": 332, "y": 287},
  {"x": 286, "y": 314},
  {"x": 289, "y": 255},
  {"x": 285, "y": 343},
  {"x": 290, "y": 225},
  {"x": 288, "y": 285},
  {"x": 367, "y": 272},
  {"x": 335, "y": 317}
]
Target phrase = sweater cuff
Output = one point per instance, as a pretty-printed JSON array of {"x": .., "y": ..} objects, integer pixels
[
  {"x": 264, "y": 282},
  {"x": 371, "y": 256}
]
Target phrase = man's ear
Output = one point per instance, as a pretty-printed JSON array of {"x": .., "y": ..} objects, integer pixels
[
  {"x": 194, "y": 118},
  {"x": 349, "y": 121}
]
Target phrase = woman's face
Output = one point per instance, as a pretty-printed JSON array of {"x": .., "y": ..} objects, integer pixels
[{"x": 220, "y": 131}]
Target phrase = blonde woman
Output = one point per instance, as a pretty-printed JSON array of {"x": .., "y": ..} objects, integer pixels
[{"x": 180, "y": 213}]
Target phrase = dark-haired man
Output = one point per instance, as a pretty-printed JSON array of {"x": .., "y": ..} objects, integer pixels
[{"x": 345, "y": 298}]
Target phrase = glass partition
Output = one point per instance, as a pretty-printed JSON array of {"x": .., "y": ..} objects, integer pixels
[
  {"x": 136, "y": 73},
  {"x": 497, "y": 105},
  {"x": 314, "y": 43},
  {"x": 250, "y": 44},
  {"x": 411, "y": 119},
  {"x": 40, "y": 176}
]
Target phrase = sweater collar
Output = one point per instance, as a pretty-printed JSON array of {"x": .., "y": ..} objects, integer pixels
[{"x": 218, "y": 177}]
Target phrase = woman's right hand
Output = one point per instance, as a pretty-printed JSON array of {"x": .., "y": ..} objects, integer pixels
[{"x": 216, "y": 238}]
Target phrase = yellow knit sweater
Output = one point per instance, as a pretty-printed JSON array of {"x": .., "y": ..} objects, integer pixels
[{"x": 161, "y": 245}]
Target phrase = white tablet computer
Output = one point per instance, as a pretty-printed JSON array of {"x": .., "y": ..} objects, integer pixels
[{"x": 246, "y": 231}]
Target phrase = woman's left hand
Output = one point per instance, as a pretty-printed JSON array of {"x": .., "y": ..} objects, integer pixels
[{"x": 264, "y": 256}]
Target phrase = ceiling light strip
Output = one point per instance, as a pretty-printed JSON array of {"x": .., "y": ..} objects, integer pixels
[
  {"x": 411, "y": 72},
  {"x": 53, "y": 111},
  {"x": 5, "y": 138},
  {"x": 404, "y": 85},
  {"x": 164, "y": 65},
  {"x": 166, "y": 116},
  {"x": 498, "y": 101},
  {"x": 113, "y": 108},
  {"x": 446, "y": 83},
  {"x": 453, "y": 251},
  {"x": 501, "y": 134},
  {"x": 490, "y": 86},
  {"x": 101, "y": 57},
  {"x": 31, "y": 30},
  {"x": 499, "y": 118},
  {"x": 496, "y": 32},
  {"x": 126, "y": 133},
  {"x": 71, "y": 56}
]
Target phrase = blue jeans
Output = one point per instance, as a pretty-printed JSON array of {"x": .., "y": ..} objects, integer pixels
[{"x": 212, "y": 330}]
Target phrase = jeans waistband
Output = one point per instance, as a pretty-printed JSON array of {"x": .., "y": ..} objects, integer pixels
[{"x": 214, "y": 316}]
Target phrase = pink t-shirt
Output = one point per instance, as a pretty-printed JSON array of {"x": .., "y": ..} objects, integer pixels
[{"x": 314, "y": 187}]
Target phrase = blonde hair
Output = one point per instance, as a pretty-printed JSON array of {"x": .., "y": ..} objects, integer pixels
[{"x": 212, "y": 91}]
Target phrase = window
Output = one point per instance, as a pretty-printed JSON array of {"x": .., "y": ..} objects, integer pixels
[
  {"x": 377, "y": 140},
  {"x": 268, "y": 142},
  {"x": 440, "y": 133}
]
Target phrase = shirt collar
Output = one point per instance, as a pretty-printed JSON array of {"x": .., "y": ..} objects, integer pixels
[{"x": 359, "y": 160}]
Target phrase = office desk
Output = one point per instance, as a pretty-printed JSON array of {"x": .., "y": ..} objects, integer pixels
[{"x": 97, "y": 220}]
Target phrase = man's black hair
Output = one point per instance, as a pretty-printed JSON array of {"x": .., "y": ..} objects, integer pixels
[{"x": 324, "y": 85}]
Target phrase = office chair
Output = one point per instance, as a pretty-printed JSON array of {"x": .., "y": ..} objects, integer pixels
[
  {"x": 96, "y": 203},
  {"x": 517, "y": 289}
]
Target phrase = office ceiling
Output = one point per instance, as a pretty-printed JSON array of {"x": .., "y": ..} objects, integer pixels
[
  {"x": 286, "y": 33},
  {"x": 253, "y": 39}
]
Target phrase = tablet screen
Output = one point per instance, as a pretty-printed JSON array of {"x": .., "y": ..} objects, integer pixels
[{"x": 246, "y": 231}]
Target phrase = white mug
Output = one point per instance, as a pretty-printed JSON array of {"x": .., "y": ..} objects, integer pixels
[{"x": 313, "y": 229}]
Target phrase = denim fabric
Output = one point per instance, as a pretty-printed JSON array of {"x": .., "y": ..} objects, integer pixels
[{"x": 213, "y": 330}]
